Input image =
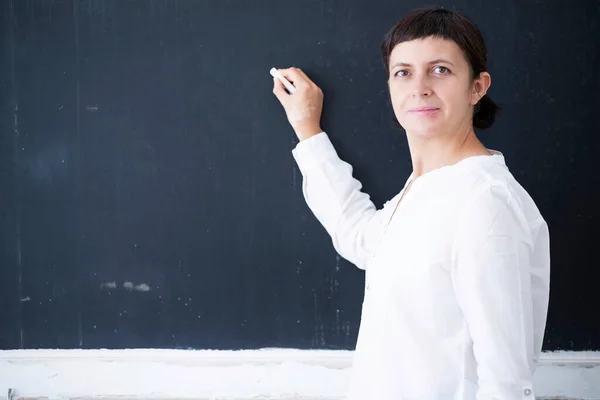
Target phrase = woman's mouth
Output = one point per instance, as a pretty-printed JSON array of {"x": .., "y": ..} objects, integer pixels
[{"x": 423, "y": 110}]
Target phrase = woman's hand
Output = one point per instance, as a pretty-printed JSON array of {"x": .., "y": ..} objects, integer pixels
[{"x": 304, "y": 107}]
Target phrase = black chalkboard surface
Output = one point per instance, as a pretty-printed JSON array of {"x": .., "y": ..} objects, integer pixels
[{"x": 150, "y": 198}]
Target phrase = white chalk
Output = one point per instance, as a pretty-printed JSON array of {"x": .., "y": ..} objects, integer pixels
[{"x": 276, "y": 74}]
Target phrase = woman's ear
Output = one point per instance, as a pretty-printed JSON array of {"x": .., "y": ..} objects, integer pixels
[{"x": 480, "y": 86}]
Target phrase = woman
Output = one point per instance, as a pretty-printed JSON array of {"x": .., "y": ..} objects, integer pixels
[{"x": 457, "y": 264}]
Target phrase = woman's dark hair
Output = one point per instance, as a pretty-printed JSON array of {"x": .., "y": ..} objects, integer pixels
[{"x": 440, "y": 23}]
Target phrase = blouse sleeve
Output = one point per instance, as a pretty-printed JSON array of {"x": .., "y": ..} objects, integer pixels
[
  {"x": 335, "y": 198},
  {"x": 491, "y": 275}
]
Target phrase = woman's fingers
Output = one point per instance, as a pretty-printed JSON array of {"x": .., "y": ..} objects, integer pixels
[
  {"x": 296, "y": 77},
  {"x": 279, "y": 90}
]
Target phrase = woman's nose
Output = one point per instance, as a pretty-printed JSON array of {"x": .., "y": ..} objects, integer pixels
[{"x": 421, "y": 87}]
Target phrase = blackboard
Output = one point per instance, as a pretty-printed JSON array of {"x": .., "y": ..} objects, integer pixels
[{"x": 150, "y": 198}]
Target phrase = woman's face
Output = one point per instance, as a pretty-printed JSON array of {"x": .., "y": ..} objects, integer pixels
[{"x": 431, "y": 88}]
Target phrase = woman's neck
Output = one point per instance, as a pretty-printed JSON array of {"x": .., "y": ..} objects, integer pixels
[{"x": 430, "y": 153}]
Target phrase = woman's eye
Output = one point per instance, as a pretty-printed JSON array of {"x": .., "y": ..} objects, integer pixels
[
  {"x": 402, "y": 73},
  {"x": 441, "y": 70}
]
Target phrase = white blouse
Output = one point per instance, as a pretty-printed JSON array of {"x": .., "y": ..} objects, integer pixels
[{"x": 457, "y": 277}]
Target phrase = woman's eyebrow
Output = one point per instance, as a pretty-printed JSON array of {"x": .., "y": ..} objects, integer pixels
[
  {"x": 436, "y": 61},
  {"x": 441, "y": 61}
]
